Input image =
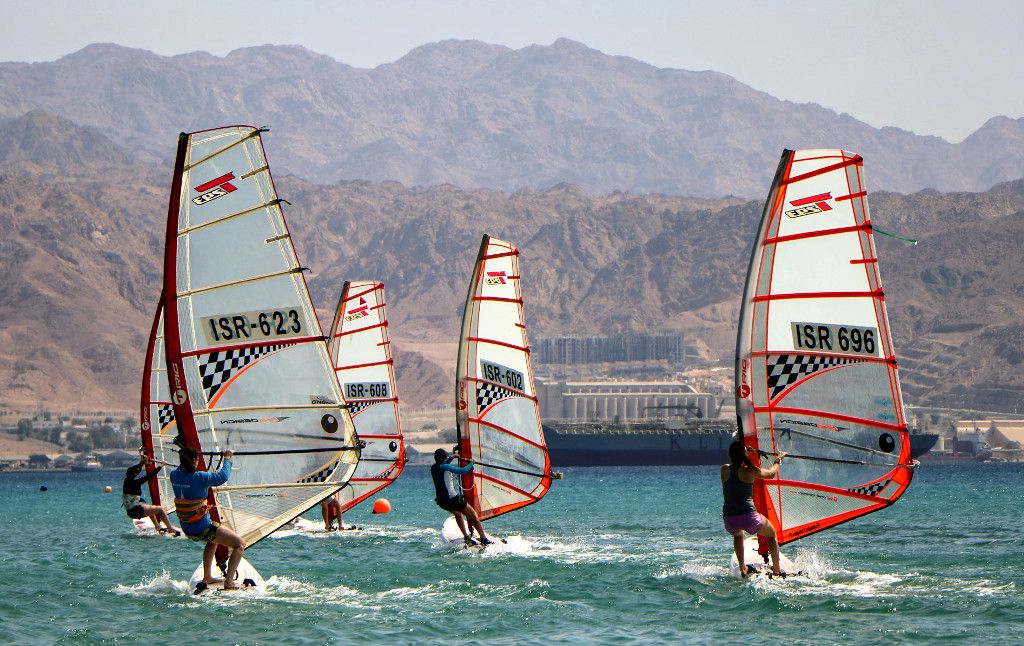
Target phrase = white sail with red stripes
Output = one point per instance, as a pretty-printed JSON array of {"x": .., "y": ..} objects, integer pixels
[
  {"x": 247, "y": 363},
  {"x": 816, "y": 372},
  {"x": 158, "y": 426},
  {"x": 498, "y": 421},
  {"x": 361, "y": 350}
]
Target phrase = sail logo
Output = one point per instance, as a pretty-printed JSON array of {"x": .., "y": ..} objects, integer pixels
[
  {"x": 495, "y": 278},
  {"x": 179, "y": 396},
  {"x": 743, "y": 390},
  {"x": 218, "y": 187},
  {"x": 359, "y": 312},
  {"x": 810, "y": 205}
]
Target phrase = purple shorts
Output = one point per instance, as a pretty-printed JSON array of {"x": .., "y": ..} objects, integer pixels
[{"x": 750, "y": 523}]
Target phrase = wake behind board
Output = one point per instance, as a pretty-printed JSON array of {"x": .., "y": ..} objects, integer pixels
[
  {"x": 752, "y": 558},
  {"x": 250, "y": 579},
  {"x": 316, "y": 527},
  {"x": 452, "y": 535},
  {"x": 145, "y": 527}
]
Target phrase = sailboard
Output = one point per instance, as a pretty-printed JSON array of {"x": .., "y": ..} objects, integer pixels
[
  {"x": 360, "y": 348},
  {"x": 816, "y": 372},
  {"x": 158, "y": 427},
  {"x": 498, "y": 423},
  {"x": 247, "y": 366}
]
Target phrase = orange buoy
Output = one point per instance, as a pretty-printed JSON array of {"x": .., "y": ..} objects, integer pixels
[
  {"x": 107, "y": 489},
  {"x": 381, "y": 506}
]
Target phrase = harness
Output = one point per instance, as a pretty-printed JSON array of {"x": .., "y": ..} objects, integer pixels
[{"x": 191, "y": 510}]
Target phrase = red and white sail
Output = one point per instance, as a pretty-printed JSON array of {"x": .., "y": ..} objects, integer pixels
[
  {"x": 498, "y": 421},
  {"x": 816, "y": 372},
  {"x": 247, "y": 364},
  {"x": 157, "y": 414},
  {"x": 361, "y": 351}
]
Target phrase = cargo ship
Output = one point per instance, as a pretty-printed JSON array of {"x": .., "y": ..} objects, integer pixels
[{"x": 656, "y": 442}]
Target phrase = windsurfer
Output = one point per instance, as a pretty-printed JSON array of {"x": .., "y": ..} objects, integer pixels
[
  {"x": 191, "y": 490},
  {"x": 739, "y": 512},
  {"x": 131, "y": 496},
  {"x": 443, "y": 472},
  {"x": 330, "y": 509}
]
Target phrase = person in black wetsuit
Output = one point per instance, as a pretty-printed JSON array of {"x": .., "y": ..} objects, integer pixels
[
  {"x": 131, "y": 496},
  {"x": 447, "y": 498},
  {"x": 738, "y": 511}
]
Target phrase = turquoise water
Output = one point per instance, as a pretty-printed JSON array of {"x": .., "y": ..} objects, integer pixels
[{"x": 616, "y": 556}]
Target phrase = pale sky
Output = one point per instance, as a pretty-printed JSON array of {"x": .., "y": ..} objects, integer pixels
[{"x": 938, "y": 67}]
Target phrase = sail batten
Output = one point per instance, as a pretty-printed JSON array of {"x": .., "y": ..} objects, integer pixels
[
  {"x": 247, "y": 364},
  {"x": 816, "y": 375},
  {"x": 360, "y": 348}
]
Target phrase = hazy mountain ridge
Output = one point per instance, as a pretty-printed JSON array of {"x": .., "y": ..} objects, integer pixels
[
  {"x": 83, "y": 245},
  {"x": 480, "y": 115}
]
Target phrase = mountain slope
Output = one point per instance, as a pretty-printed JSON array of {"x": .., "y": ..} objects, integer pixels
[
  {"x": 82, "y": 250},
  {"x": 479, "y": 115}
]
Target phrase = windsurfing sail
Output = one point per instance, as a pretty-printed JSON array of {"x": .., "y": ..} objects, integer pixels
[
  {"x": 246, "y": 359},
  {"x": 361, "y": 351},
  {"x": 158, "y": 426},
  {"x": 497, "y": 418},
  {"x": 816, "y": 372}
]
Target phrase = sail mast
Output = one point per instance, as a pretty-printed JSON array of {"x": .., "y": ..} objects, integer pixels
[{"x": 150, "y": 398}]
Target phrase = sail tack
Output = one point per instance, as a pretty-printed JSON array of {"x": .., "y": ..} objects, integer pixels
[
  {"x": 498, "y": 419},
  {"x": 361, "y": 351},
  {"x": 816, "y": 373},
  {"x": 247, "y": 366}
]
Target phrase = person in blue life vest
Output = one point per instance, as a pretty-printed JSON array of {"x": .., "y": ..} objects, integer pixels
[
  {"x": 131, "y": 496},
  {"x": 443, "y": 473},
  {"x": 191, "y": 492},
  {"x": 738, "y": 511}
]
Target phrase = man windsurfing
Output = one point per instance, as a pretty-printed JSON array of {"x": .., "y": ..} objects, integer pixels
[
  {"x": 443, "y": 473},
  {"x": 191, "y": 493},
  {"x": 131, "y": 496}
]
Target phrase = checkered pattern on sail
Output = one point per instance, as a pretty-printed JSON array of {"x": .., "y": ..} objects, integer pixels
[
  {"x": 322, "y": 475},
  {"x": 360, "y": 404},
  {"x": 164, "y": 416},
  {"x": 217, "y": 368},
  {"x": 488, "y": 393},
  {"x": 786, "y": 369},
  {"x": 871, "y": 489}
]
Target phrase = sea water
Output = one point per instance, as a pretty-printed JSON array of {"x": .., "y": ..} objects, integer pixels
[{"x": 611, "y": 555}]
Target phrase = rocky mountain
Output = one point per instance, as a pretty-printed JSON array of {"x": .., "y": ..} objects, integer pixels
[
  {"x": 83, "y": 242},
  {"x": 478, "y": 115}
]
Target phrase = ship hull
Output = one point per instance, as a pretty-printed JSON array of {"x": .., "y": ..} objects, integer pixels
[
  {"x": 657, "y": 448},
  {"x": 661, "y": 447}
]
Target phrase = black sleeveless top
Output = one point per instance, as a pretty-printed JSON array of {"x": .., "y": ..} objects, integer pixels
[{"x": 739, "y": 495}]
